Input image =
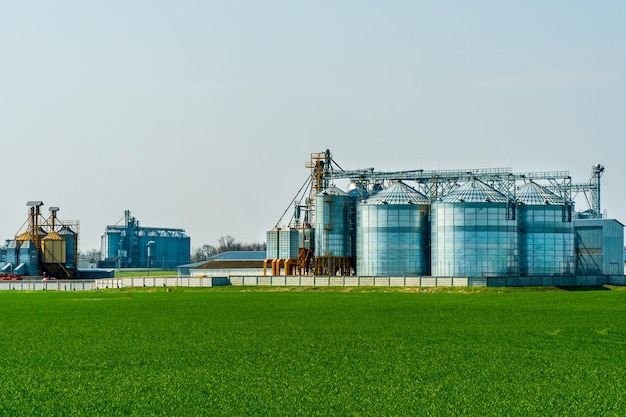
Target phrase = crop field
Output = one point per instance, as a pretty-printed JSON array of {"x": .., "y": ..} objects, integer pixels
[{"x": 262, "y": 352}]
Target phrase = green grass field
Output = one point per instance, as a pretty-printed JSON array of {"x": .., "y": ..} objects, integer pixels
[{"x": 237, "y": 351}]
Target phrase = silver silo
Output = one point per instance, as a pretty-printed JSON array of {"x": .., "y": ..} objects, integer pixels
[
  {"x": 546, "y": 238},
  {"x": 392, "y": 233},
  {"x": 474, "y": 233},
  {"x": 332, "y": 232}
]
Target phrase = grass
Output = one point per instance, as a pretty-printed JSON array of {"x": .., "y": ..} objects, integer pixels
[
  {"x": 122, "y": 273},
  {"x": 226, "y": 352}
]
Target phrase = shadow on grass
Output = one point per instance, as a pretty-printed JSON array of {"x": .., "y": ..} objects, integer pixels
[{"x": 585, "y": 288}]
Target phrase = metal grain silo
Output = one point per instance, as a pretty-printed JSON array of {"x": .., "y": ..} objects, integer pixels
[
  {"x": 392, "y": 233},
  {"x": 474, "y": 233},
  {"x": 332, "y": 232},
  {"x": 71, "y": 246},
  {"x": 546, "y": 232},
  {"x": 53, "y": 248},
  {"x": 358, "y": 193}
]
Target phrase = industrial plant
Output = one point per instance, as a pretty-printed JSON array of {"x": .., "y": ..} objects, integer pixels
[
  {"x": 44, "y": 246},
  {"x": 130, "y": 245},
  {"x": 490, "y": 226},
  {"x": 48, "y": 248}
]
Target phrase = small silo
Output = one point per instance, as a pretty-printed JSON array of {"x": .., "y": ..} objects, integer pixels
[
  {"x": 392, "y": 233},
  {"x": 474, "y": 233},
  {"x": 111, "y": 243},
  {"x": 271, "y": 243},
  {"x": 289, "y": 242},
  {"x": 332, "y": 232},
  {"x": 546, "y": 232},
  {"x": 71, "y": 246},
  {"x": 53, "y": 248}
]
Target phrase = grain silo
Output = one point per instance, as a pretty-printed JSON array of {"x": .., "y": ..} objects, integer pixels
[
  {"x": 474, "y": 233},
  {"x": 332, "y": 233},
  {"x": 392, "y": 233},
  {"x": 546, "y": 232},
  {"x": 70, "y": 235}
]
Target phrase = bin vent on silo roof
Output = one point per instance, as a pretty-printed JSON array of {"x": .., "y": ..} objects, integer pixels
[
  {"x": 475, "y": 191},
  {"x": 333, "y": 190},
  {"x": 532, "y": 193},
  {"x": 397, "y": 193}
]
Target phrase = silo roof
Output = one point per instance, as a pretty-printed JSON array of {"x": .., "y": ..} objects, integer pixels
[
  {"x": 52, "y": 236},
  {"x": 398, "y": 193},
  {"x": 358, "y": 193},
  {"x": 475, "y": 191},
  {"x": 532, "y": 193},
  {"x": 333, "y": 190}
]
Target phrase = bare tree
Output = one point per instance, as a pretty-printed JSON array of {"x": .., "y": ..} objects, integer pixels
[
  {"x": 224, "y": 244},
  {"x": 203, "y": 253}
]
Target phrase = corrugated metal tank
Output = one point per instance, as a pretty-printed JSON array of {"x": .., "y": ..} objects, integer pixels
[
  {"x": 71, "y": 246},
  {"x": 286, "y": 243},
  {"x": 289, "y": 242},
  {"x": 546, "y": 232},
  {"x": 392, "y": 233},
  {"x": 111, "y": 241},
  {"x": 332, "y": 223},
  {"x": 271, "y": 243},
  {"x": 54, "y": 249},
  {"x": 474, "y": 233},
  {"x": 171, "y": 248},
  {"x": 357, "y": 195}
]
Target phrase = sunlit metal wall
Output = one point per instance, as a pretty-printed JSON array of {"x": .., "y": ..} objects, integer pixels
[
  {"x": 546, "y": 238},
  {"x": 332, "y": 223},
  {"x": 473, "y": 233},
  {"x": 599, "y": 247},
  {"x": 392, "y": 233}
]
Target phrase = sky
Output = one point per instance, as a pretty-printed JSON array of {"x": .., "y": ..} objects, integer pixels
[{"x": 201, "y": 115}]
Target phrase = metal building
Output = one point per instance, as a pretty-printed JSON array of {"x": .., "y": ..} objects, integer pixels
[
  {"x": 43, "y": 249},
  {"x": 392, "y": 233},
  {"x": 474, "y": 233},
  {"x": 599, "y": 247},
  {"x": 546, "y": 232},
  {"x": 133, "y": 246}
]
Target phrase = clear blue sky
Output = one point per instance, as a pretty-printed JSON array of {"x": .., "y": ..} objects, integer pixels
[{"x": 202, "y": 114}]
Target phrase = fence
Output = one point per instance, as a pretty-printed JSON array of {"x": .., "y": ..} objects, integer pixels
[
  {"x": 39, "y": 285},
  {"x": 311, "y": 281}
]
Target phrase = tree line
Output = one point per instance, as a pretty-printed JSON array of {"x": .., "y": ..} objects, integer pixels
[{"x": 224, "y": 244}]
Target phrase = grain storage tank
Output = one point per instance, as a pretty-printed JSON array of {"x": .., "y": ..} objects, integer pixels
[
  {"x": 474, "y": 233},
  {"x": 546, "y": 232},
  {"x": 289, "y": 242},
  {"x": 332, "y": 232},
  {"x": 71, "y": 246},
  {"x": 392, "y": 233},
  {"x": 357, "y": 193},
  {"x": 53, "y": 247}
]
